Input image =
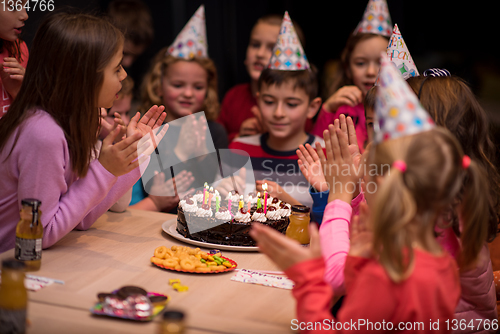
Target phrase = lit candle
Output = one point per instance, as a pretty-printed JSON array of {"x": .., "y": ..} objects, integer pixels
[
  {"x": 259, "y": 204},
  {"x": 240, "y": 204},
  {"x": 204, "y": 196},
  {"x": 264, "y": 186},
  {"x": 217, "y": 201},
  {"x": 249, "y": 203},
  {"x": 210, "y": 195}
]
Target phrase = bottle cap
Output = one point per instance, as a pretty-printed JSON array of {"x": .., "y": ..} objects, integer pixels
[
  {"x": 300, "y": 208},
  {"x": 13, "y": 264},
  {"x": 31, "y": 202},
  {"x": 173, "y": 315}
]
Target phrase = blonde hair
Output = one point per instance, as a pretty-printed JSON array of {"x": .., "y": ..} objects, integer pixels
[
  {"x": 409, "y": 203},
  {"x": 153, "y": 81}
]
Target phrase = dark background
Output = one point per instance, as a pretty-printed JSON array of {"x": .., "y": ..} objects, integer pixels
[{"x": 459, "y": 36}]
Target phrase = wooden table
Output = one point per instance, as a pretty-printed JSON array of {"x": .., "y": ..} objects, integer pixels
[{"x": 116, "y": 251}]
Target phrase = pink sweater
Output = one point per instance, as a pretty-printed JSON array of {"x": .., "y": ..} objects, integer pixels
[
  {"x": 478, "y": 298},
  {"x": 40, "y": 167}
]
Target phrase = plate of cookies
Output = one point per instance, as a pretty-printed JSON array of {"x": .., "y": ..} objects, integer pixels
[{"x": 191, "y": 260}]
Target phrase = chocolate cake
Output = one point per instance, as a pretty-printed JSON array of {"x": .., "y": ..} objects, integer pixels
[{"x": 217, "y": 225}]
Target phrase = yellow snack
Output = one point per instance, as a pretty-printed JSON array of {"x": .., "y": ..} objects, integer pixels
[
  {"x": 160, "y": 252},
  {"x": 173, "y": 281},
  {"x": 217, "y": 268},
  {"x": 187, "y": 264},
  {"x": 171, "y": 263},
  {"x": 177, "y": 267},
  {"x": 203, "y": 269},
  {"x": 210, "y": 258},
  {"x": 156, "y": 260},
  {"x": 227, "y": 264},
  {"x": 182, "y": 288}
]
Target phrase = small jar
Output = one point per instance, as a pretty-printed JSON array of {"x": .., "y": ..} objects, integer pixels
[
  {"x": 173, "y": 322},
  {"x": 298, "y": 229},
  {"x": 13, "y": 297}
]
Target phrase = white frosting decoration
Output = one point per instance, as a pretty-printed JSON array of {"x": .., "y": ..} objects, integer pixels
[
  {"x": 242, "y": 217},
  {"x": 276, "y": 205},
  {"x": 285, "y": 212},
  {"x": 273, "y": 215},
  {"x": 223, "y": 215},
  {"x": 198, "y": 198},
  {"x": 260, "y": 217},
  {"x": 204, "y": 213},
  {"x": 190, "y": 207},
  {"x": 251, "y": 199},
  {"x": 235, "y": 198}
]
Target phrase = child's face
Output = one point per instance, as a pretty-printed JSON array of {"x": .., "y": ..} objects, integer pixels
[
  {"x": 184, "y": 88},
  {"x": 12, "y": 21},
  {"x": 365, "y": 62},
  {"x": 121, "y": 106},
  {"x": 260, "y": 48},
  {"x": 114, "y": 74},
  {"x": 369, "y": 116},
  {"x": 285, "y": 109}
]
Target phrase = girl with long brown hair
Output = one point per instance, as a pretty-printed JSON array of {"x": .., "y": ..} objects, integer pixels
[{"x": 49, "y": 135}]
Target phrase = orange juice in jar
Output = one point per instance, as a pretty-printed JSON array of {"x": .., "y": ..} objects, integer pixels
[
  {"x": 29, "y": 233},
  {"x": 298, "y": 229}
]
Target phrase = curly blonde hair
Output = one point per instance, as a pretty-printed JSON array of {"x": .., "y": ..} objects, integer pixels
[{"x": 153, "y": 81}]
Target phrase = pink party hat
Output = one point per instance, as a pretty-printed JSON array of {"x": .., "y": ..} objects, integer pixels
[
  {"x": 398, "y": 111},
  {"x": 288, "y": 54},
  {"x": 192, "y": 40},
  {"x": 376, "y": 19},
  {"x": 397, "y": 52}
]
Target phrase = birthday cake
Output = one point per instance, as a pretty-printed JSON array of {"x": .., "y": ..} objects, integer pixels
[{"x": 201, "y": 217}]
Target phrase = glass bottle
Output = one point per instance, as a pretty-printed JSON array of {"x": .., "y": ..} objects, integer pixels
[
  {"x": 13, "y": 297},
  {"x": 298, "y": 229},
  {"x": 29, "y": 233},
  {"x": 173, "y": 323}
]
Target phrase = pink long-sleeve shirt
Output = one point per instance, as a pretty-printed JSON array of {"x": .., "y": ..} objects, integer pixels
[{"x": 40, "y": 167}]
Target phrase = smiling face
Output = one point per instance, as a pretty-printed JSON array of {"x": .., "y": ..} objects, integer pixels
[
  {"x": 114, "y": 74},
  {"x": 184, "y": 88},
  {"x": 12, "y": 21},
  {"x": 260, "y": 48},
  {"x": 364, "y": 63},
  {"x": 285, "y": 110}
]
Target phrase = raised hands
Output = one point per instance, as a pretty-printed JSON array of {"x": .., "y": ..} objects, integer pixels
[
  {"x": 12, "y": 74},
  {"x": 349, "y": 95},
  {"x": 283, "y": 251},
  {"x": 122, "y": 157},
  {"x": 106, "y": 127},
  {"x": 361, "y": 236},
  {"x": 192, "y": 139},
  {"x": 253, "y": 125},
  {"x": 236, "y": 182},
  {"x": 166, "y": 194},
  {"x": 310, "y": 166},
  {"x": 146, "y": 126}
]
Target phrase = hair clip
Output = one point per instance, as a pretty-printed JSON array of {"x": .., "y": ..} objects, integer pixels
[
  {"x": 437, "y": 72},
  {"x": 399, "y": 165},
  {"x": 465, "y": 162}
]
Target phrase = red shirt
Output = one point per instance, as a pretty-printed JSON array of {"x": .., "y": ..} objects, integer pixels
[
  {"x": 5, "y": 98},
  {"x": 236, "y": 108},
  {"x": 424, "y": 301}
]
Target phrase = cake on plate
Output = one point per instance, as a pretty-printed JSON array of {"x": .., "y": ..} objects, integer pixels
[{"x": 201, "y": 217}]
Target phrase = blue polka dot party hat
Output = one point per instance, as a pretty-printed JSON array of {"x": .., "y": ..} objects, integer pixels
[
  {"x": 398, "y": 111},
  {"x": 288, "y": 54},
  {"x": 192, "y": 40},
  {"x": 376, "y": 19}
]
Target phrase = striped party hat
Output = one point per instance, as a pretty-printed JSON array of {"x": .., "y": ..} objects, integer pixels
[
  {"x": 288, "y": 54},
  {"x": 398, "y": 111},
  {"x": 376, "y": 19},
  {"x": 192, "y": 40}
]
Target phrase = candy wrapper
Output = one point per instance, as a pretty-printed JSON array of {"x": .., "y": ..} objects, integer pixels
[{"x": 255, "y": 277}]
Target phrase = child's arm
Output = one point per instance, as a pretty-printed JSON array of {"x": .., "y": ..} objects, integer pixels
[{"x": 349, "y": 95}]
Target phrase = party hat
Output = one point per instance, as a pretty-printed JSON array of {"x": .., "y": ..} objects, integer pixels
[
  {"x": 397, "y": 52},
  {"x": 398, "y": 111},
  {"x": 288, "y": 54},
  {"x": 376, "y": 19},
  {"x": 192, "y": 40}
]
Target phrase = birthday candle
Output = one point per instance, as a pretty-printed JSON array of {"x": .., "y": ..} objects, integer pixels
[
  {"x": 217, "y": 201},
  {"x": 265, "y": 197},
  {"x": 211, "y": 194},
  {"x": 259, "y": 205},
  {"x": 240, "y": 204},
  {"x": 249, "y": 203},
  {"x": 204, "y": 196}
]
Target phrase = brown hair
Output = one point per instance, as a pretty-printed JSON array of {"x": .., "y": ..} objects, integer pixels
[
  {"x": 409, "y": 204},
  {"x": 370, "y": 98},
  {"x": 306, "y": 80},
  {"x": 453, "y": 105},
  {"x": 64, "y": 76},
  {"x": 340, "y": 77},
  {"x": 133, "y": 18},
  {"x": 275, "y": 20},
  {"x": 153, "y": 81}
]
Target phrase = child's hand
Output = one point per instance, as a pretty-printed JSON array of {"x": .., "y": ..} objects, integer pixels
[
  {"x": 144, "y": 126},
  {"x": 349, "y": 95},
  {"x": 107, "y": 127},
  {"x": 192, "y": 139},
  {"x": 275, "y": 190},
  {"x": 249, "y": 127},
  {"x": 283, "y": 251},
  {"x": 161, "y": 191},
  {"x": 339, "y": 168},
  {"x": 360, "y": 236},
  {"x": 310, "y": 166},
  {"x": 236, "y": 182},
  {"x": 12, "y": 74},
  {"x": 119, "y": 158}
]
